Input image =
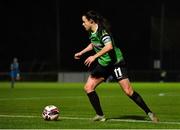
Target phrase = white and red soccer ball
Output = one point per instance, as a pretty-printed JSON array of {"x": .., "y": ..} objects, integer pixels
[{"x": 50, "y": 113}]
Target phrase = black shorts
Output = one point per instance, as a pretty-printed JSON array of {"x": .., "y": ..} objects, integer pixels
[{"x": 118, "y": 71}]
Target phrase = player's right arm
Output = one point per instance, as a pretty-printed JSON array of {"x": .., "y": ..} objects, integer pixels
[{"x": 79, "y": 54}]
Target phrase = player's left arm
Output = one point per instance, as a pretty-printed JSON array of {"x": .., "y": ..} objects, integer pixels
[
  {"x": 108, "y": 46},
  {"x": 104, "y": 50},
  {"x": 107, "y": 41},
  {"x": 18, "y": 76},
  {"x": 18, "y": 72}
]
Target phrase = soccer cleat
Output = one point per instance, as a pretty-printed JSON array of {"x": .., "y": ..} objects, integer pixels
[
  {"x": 153, "y": 117},
  {"x": 99, "y": 118}
]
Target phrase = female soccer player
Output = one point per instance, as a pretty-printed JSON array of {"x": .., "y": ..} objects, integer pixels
[{"x": 110, "y": 62}]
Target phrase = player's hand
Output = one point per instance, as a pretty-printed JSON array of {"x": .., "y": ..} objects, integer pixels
[
  {"x": 18, "y": 77},
  {"x": 89, "y": 60},
  {"x": 77, "y": 55}
]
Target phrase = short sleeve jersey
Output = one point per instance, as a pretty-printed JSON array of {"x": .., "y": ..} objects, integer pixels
[
  {"x": 99, "y": 39},
  {"x": 15, "y": 67}
]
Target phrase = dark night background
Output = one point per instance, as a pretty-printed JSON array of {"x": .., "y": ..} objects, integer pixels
[{"x": 44, "y": 35}]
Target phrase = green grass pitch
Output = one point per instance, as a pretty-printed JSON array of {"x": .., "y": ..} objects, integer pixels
[{"x": 21, "y": 107}]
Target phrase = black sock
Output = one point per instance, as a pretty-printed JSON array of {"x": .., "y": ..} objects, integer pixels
[
  {"x": 94, "y": 99},
  {"x": 140, "y": 102}
]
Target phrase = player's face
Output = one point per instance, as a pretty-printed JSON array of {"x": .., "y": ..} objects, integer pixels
[{"x": 86, "y": 23}]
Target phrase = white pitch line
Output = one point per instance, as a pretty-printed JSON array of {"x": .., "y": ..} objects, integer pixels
[
  {"x": 21, "y": 116},
  {"x": 83, "y": 118},
  {"x": 143, "y": 121},
  {"x": 69, "y": 97}
]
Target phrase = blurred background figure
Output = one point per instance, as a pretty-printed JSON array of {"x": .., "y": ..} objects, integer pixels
[
  {"x": 14, "y": 71},
  {"x": 163, "y": 75}
]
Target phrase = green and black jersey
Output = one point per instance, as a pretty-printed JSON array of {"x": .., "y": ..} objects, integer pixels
[{"x": 99, "y": 39}]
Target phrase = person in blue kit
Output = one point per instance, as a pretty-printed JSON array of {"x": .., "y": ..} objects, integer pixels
[{"x": 14, "y": 71}]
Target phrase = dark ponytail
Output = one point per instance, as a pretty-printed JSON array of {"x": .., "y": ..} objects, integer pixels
[{"x": 99, "y": 19}]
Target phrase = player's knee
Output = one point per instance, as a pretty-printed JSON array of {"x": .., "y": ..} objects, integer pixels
[
  {"x": 128, "y": 92},
  {"x": 88, "y": 88}
]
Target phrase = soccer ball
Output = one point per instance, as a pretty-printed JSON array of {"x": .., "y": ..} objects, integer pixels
[{"x": 50, "y": 113}]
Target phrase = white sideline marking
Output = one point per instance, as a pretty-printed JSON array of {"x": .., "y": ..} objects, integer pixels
[
  {"x": 23, "y": 116},
  {"x": 69, "y": 97},
  {"x": 83, "y": 118},
  {"x": 29, "y": 98},
  {"x": 161, "y": 94}
]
